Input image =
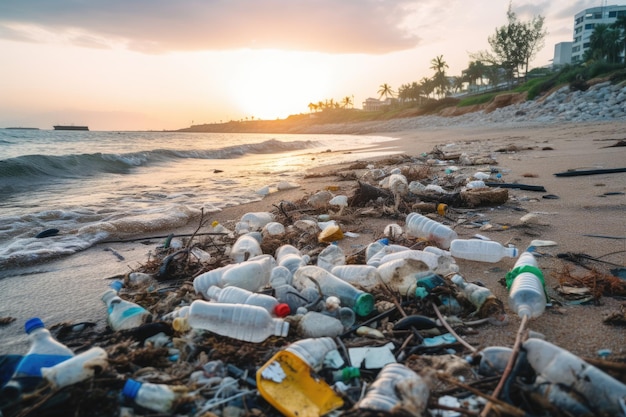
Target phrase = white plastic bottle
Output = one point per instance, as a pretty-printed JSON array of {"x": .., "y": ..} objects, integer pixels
[
  {"x": 155, "y": 397},
  {"x": 251, "y": 275},
  {"x": 245, "y": 247},
  {"x": 44, "y": 351},
  {"x": 401, "y": 274},
  {"x": 474, "y": 293},
  {"x": 236, "y": 295},
  {"x": 375, "y": 247},
  {"x": 331, "y": 256},
  {"x": 239, "y": 321},
  {"x": 362, "y": 276},
  {"x": 122, "y": 314},
  {"x": 480, "y": 250},
  {"x": 360, "y": 301},
  {"x": 384, "y": 393},
  {"x": 313, "y": 350},
  {"x": 560, "y": 367},
  {"x": 527, "y": 296},
  {"x": 426, "y": 228},
  {"x": 79, "y": 368},
  {"x": 256, "y": 220}
]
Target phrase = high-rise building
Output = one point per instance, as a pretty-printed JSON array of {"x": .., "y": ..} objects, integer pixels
[{"x": 586, "y": 21}]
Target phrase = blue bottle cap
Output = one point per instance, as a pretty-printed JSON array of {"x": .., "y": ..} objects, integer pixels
[
  {"x": 116, "y": 285},
  {"x": 131, "y": 388},
  {"x": 384, "y": 241},
  {"x": 32, "y": 324}
]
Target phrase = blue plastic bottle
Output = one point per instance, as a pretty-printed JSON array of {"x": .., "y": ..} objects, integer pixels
[
  {"x": 45, "y": 351},
  {"x": 122, "y": 314}
]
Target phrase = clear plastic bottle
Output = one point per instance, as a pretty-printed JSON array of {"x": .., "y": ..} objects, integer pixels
[
  {"x": 236, "y": 295},
  {"x": 383, "y": 395},
  {"x": 155, "y": 397},
  {"x": 122, "y": 314},
  {"x": 438, "y": 263},
  {"x": 314, "y": 324},
  {"x": 492, "y": 360},
  {"x": 256, "y": 220},
  {"x": 251, "y": 275},
  {"x": 362, "y": 276},
  {"x": 310, "y": 276},
  {"x": 474, "y": 293},
  {"x": 313, "y": 350},
  {"x": 553, "y": 364},
  {"x": 44, "y": 351},
  {"x": 331, "y": 256},
  {"x": 480, "y": 250},
  {"x": 426, "y": 228},
  {"x": 375, "y": 247},
  {"x": 376, "y": 258},
  {"x": 239, "y": 321},
  {"x": 245, "y": 247},
  {"x": 401, "y": 274},
  {"x": 527, "y": 296},
  {"x": 76, "y": 369}
]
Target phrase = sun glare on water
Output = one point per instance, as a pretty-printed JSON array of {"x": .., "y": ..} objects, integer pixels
[{"x": 274, "y": 84}]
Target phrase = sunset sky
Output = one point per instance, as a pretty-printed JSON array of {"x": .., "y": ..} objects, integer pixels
[{"x": 163, "y": 64}]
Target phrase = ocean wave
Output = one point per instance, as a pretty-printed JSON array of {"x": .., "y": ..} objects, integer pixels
[{"x": 85, "y": 165}]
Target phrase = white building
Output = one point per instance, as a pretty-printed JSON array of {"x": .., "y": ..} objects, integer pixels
[
  {"x": 562, "y": 54},
  {"x": 585, "y": 22}
]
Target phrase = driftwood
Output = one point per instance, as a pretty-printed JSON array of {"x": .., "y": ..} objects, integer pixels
[
  {"x": 366, "y": 193},
  {"x": 477, "y": 197}
]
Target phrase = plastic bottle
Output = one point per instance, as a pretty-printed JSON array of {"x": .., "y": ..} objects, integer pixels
[
  {"x": 376, "y": 258},
  {"x": 438, "y": 263},
  {"x": 383, "y": 394},
  {"x": 492, "y": 360},
  {"x": 603, "y": 393},
  {"x": 155, "y": 397},
  {"x": 122, "y": 314},
  {"x": 236, "y": 295},
  {"x": 527, "y": 296},
  {"x": 375, "y": 247},
  {"x": 426, "y": 228},
  {"x": 45, "y": 351},
  {"x": 480, "y": 250},
  {"x": 239, "y": 321},
  {"x": 401, "y": 274},
  {"x": 474, "y": 293},
  {"x": 313, "y": 350},
  {"x": 426, "y": 283},
  {"x": 314, "y": 324},
  {"x": 245, "y": 247},
  {"x": 251, "y": 275},
  {"x": 361, "y": 302},
  {"x": 362, "y": 276},
  {"x": 77, "y": 369},
  {"x": 256, "y": 220},
  {"x": 331, "y": 256}
]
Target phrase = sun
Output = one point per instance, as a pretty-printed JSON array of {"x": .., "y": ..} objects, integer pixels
[{"x": 272, "y": 84}]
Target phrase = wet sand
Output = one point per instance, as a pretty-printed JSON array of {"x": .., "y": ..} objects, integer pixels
[{"x": 535, "y": 154}]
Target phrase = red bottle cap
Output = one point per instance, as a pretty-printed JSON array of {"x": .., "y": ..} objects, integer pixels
[{"x": 282, "y": 310}]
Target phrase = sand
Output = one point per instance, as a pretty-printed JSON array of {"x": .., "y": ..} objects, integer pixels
[{"x": 536, "y": 154}]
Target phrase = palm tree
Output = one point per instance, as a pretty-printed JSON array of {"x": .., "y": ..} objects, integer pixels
[
  {"x": 347, "y": 101},
  {"x": 441, "y": 82},
  {"x": 385, "y": 90},
  {"x": 312, "y": 107},
  {"x": 604, "y": 44},
  {"x": 620, "y": 26},
  {"x": 427, "y": 86}
]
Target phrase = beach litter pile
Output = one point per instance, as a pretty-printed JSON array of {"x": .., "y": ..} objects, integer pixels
[{"x": 270, "y": 316}]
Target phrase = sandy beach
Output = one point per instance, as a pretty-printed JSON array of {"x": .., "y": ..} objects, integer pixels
[
  {"x": 533, "y": 154},
  {"x": 526, "y": 154}
]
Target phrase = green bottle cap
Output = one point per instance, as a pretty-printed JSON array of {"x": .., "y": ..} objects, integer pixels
[{"x": 364, "y": 304}]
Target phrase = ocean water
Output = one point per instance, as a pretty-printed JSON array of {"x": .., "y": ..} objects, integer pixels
[{"x": 98, "y": 186}]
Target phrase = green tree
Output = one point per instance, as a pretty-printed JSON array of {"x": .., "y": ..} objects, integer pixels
[
  {"x": 441, "y": 83},
  {"x": 427, "y": 86},
  {"x": 515, "y": 45},
  {"x": 604, "y": 44},
  {"x": 620, "y": 25},
  {"x": 385, "y": 90},
  {"x": 347, "y": 102}
]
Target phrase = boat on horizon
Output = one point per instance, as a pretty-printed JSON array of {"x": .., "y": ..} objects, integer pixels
[
  {"x": 70, "y": 127},
  {"x": 21, "y": 128}
]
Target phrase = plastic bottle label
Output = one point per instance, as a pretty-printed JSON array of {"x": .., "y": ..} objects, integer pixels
[{"x": 31, "y": 364}]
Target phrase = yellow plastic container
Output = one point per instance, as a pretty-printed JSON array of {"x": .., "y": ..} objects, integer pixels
[{"x": 287, "y": 383}]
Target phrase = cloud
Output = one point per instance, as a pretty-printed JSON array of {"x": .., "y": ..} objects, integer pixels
[{"x": 160, "y": 26}]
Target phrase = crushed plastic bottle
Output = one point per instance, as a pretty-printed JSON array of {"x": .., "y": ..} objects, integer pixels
[
  {"x": 363, "y": 276},
  {"x": 251, "y": 275},
  {"x": 239, "y": 321},
  {"x": 396, "y": 386},
  {"x": 476, "y": 294},
  {"x": 313, "y": 350},
  {"x": 44, "y": 351},
  {"x": 76, "y": 369},
  {"x": 331, "y": 256},
  {"x": 311, "y": 276},
  {"x": 245, "y": 247}
]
